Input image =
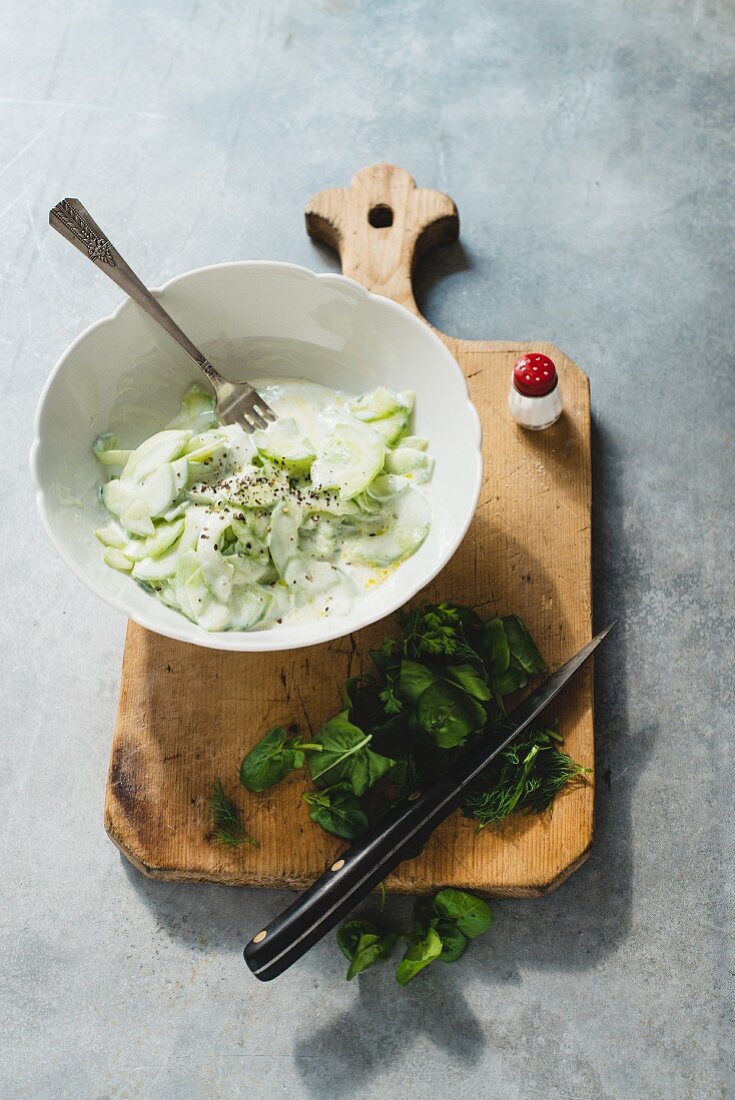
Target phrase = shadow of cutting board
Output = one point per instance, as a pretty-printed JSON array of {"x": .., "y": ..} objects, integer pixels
[{"x": 187, "y": 715}]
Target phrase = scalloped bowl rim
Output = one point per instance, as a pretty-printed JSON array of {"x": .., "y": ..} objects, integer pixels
[{"x": 267, "y": 640}]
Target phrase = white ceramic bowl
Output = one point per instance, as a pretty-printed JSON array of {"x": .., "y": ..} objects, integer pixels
[{"x": 124, "y": 373}]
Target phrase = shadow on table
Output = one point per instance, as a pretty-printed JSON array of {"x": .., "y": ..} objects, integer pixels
[{"x": 572, "y": 929}]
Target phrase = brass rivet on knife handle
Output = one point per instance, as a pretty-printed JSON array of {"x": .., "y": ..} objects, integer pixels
[
  {"x": 338, "y": 865},
  {"x": 414, "y": 796},
  {"x": 260, "y": 936}
]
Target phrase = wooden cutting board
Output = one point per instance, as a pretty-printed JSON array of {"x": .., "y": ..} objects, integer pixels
[{"x": 187, "y": 715}]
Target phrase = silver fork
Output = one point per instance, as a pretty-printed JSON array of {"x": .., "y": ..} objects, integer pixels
[{"x": 237, "y": 402}]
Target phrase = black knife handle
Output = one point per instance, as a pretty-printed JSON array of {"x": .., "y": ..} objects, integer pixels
[{"x": 399, "y": 835}]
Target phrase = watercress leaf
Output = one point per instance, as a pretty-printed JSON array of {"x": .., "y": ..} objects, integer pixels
[
  {"x": 370, "y": 949},
  {"x": 447, "y": 715},
  {"x": 349, "y": 935},
  {"x": 346, "y": 756},
  {"x": 494, "y": 647},
  {"x": 522, "y": 645},
  {"x": 424, "y": 946},
  {"x": 414, "y": 679},
  {"x": 338, "y": 811},
  {"x": 270, "y": 761},
  {"x": 513, "y": 679},
  {"x": 470, "y": 680},
  {"x": 471, "y": 914},
  {"x": 454, "y": 942},
  {"x": 368, "y": 767}
]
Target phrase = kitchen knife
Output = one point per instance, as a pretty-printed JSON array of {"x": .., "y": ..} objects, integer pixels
[{"x": 400, "y": 835}]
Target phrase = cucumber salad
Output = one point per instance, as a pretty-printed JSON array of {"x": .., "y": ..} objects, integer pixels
[{"x": 240, "y": 531}]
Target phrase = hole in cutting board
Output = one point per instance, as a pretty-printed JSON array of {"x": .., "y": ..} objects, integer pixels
[{"x": 380, "y": 216}]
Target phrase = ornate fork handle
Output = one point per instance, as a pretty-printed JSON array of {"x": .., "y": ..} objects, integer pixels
[{"x": 74, "y": 223}]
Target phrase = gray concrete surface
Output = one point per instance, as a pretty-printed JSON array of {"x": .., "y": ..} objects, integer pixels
[{"x": 589, "y": 145}]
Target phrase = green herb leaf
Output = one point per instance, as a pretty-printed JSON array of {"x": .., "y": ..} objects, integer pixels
[
  {"x": 414, "y": 679},
  {"x": 424, "y": 946},
  {"x": 469, "y": 680},
  {"x": 349, "y": 934},
  {"x": 525, "y": 776},
  {"x": 228, "y": 826},
  {"x": 364, "y": 945},
  {"x": 494, "y": 646},
  {"x": 470, "y": 914},
  {"x": 522, "y": 645},
  {"x": 271, "y": 760},
  {"x": 513, "y": 679},
  {"x": 392, "y": 705},
  {"x": 448, "y": 715},
  {"x": 346, "y": 756},
  {"x": 338, "y": 811},
  {"x": 454, "y": 942},
  {"x": 432, "y": 631}
]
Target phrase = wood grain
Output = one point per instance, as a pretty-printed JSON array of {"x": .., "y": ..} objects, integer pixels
[{"x": 188, "y": 714}]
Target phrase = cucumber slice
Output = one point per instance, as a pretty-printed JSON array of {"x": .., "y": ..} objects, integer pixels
[
  {"x": 322, "y": 586},
  {"x": 214, "y": 616},
  {"x": 137, "y": 519},
  {"x": 112, "y": 535},
  {"x": 250, "y": 487},
  {"x": 248, "y": 607},
  {"x": 386, "y": 487},
  {"x": 411, "y": 463},
  {"x": 417, "y": 442},
  {"x": 157, "y": 569},
  {"x": 251, "y": 534},
  {"x": 380, "y": 403},
  {"x": 248, "y": 571},
  {"x": 319, "y": 536},
  {"x": 197, "y": 593},
  {"x": 351, "y": 456},
  {"x": 158, "y": 491},
  {"x": 392, "y": 427},
  {"x": 216, "y": 569},
  {"x": 166, "y": 535},
  {"x": 283, "y": 444},
  {"x": 197, "y": 410},
  {"x": 161, "y": 448},
  {"x": 408, "y": 525},
  {"x": 205, "y": 445},
  {"x": 217, "y": 572},
  {"x": 115, "y": 558},
  {"x": 106, "y": 450},
  {"x": 117, "y": 496},
  {"x": 179, "y": 510},
  {"x": 283, "y": 539},
  {"x": 180, "y": 470},
  {"x": 186, "y": 568}
]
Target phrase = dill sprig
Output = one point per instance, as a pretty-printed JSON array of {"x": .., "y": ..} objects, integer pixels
[
  {"x": 228, "y": 826},
  {"x": 526, "y": 776}
]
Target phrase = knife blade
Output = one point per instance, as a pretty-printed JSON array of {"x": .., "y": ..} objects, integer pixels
[{"x": 398, "y": 836}]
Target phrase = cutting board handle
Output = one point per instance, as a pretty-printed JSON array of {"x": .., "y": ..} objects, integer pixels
[{"x": 380, "y": 225}]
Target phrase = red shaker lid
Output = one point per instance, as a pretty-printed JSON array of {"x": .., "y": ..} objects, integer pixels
[{"x": 535, "y": 375}]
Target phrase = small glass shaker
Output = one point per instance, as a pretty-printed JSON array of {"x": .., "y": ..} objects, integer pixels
[{"x": 535, "y": 399}]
